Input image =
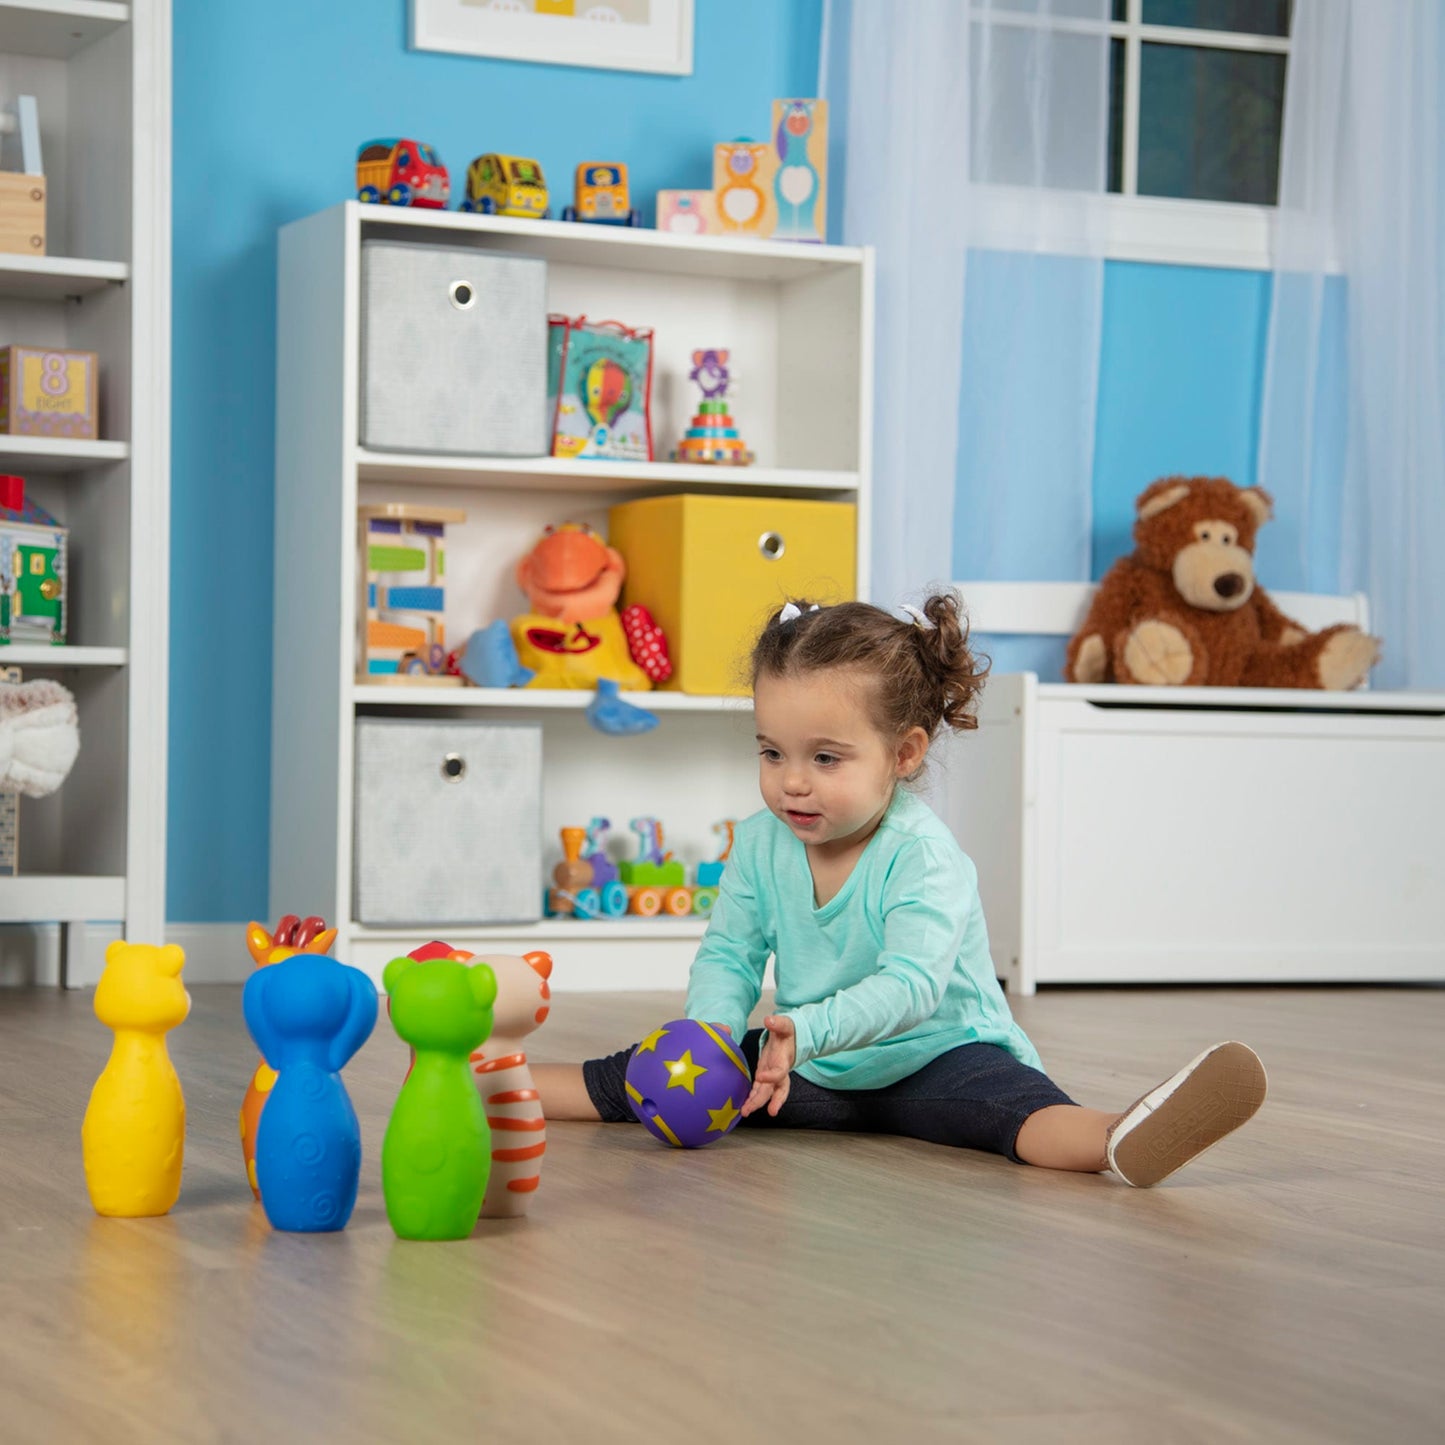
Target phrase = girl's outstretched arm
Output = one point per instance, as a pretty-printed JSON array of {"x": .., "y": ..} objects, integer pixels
[{"x": 562, "y": 1092}]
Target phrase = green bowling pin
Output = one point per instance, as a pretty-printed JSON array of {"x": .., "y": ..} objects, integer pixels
[{"x": 437, "y": 1153}]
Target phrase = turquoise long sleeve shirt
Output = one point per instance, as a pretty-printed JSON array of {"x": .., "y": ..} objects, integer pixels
[{"x": 891, "y": 972}]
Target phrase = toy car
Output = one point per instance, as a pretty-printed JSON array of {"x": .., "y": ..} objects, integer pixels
[
  {"x": 600, "y": 195},
  {"x": 506, "y": 186},
  {"x": 401, "y": 173}
]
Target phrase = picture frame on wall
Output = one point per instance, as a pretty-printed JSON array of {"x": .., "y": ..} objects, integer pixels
[{"x": 645, "y": 35}]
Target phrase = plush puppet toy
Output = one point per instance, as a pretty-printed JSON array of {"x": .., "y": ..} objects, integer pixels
[
  {"x": 1186, "y": 610},
  {"x": 573, "y": 635}
]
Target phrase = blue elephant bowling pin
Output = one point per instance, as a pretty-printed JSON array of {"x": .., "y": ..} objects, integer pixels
[{"x": 308, "y": 1016}]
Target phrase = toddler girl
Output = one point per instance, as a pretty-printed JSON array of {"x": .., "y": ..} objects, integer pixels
[{"x": 888, "y": 1017}]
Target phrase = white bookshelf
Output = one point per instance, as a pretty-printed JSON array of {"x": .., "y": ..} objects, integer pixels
[
  {"x": 93, "y": 853},
  {"x": 798, "y": 321},
  {"x": 55, "y": 454},
  {"x": 37, "y": 656},
  {"x": 57, "y": 278},
  {"x": 562, "y": 475}
]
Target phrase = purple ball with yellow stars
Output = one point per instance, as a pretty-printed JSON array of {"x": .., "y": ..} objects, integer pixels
[{"x": 687, "y": 1082}]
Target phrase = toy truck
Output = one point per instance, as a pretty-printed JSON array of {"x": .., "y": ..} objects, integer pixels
[{"x": 401, "y": 172}]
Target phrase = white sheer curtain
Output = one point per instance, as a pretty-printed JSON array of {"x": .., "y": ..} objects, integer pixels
[
  {"x": 901, "y": 72},
  {"x": 1357, "y": 325},
  {"x": 975, "y": 151}
]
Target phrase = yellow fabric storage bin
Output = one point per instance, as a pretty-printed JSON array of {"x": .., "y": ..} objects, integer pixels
[{"x": 711, "y": 570}]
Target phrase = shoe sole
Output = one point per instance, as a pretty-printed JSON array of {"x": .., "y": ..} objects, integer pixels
[{"x": 1207, "y": 1099}]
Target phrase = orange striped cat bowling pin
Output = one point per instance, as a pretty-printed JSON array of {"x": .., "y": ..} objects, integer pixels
[
  {"x": 509, "y": 1093},
  {"x": 519, "y": 1132},
  {"x": 134, "y": 1132},
  {"x": 292, "y": 936}
]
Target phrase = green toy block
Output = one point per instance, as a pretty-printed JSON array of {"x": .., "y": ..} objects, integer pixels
[{"x": 653, "y": 875}]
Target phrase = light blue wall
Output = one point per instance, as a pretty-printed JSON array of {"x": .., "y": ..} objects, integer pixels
[
  {"x": 1180, "y": 373},
  {"x": 271, "y": 101},
  {"x": 1179, "y": 385}
]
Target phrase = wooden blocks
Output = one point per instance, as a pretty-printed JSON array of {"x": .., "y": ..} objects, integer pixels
[
  {"x": 47, "y": 392},
  {"x": 22, "y": 214}
]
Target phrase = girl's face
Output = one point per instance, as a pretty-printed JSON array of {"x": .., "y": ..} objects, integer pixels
[{"x": 823, "y": 767}]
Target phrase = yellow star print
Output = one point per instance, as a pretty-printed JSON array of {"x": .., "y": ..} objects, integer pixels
[
  {"x": 722, "y": 1119},
  {"x": 684, "y": 1072},
  {"x": 651, "y": 1041}
]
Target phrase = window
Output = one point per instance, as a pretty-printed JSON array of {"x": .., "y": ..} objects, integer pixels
[
  {"x": 1197, "y": 98},
  {"x": 1196, "y": 108}
]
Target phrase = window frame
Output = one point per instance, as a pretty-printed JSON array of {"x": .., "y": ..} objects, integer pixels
[{"x": 1162, "y": 229}]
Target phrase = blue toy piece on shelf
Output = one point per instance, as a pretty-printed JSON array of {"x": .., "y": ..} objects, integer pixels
[
  {"x": 308, "y": 1016},
  {"x": 490, "y": 659},
  {"x": 610, "y": 712}
]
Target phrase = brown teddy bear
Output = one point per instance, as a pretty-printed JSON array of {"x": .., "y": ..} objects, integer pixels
[{"x": 1185, "y": 609}]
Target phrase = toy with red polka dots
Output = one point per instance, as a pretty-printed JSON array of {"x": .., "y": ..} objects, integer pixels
[{"x": 646, "y": 642}]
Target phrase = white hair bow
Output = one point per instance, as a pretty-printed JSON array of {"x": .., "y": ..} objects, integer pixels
[
  {"x": 791, "y": 612},
  {"x": 917, "y": 618}
]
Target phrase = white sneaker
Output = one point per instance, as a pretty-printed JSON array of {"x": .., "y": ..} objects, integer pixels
[{"x": 1207, "y": 1099}]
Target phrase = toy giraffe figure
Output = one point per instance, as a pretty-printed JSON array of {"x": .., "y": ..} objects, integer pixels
[
  {"x": 649, "y": 841},
  {"x": 134, "y": 1133},
  {"x": 519, "y": 1132},
  {"x": 292, "y": 936},
  {"x": 796, "y": 180}
]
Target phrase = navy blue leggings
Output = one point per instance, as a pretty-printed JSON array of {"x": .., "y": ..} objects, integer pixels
[{"x": 976, "y": 1096}]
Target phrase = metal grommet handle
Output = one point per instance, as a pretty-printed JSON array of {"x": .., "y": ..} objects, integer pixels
[
  {"x": 454, "y": 767},
  {"x": 463, "y": 295},
  {"x": 772, "y": 546}
]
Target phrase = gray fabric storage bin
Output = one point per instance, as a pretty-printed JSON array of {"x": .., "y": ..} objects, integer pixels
[
  {"x": 448, "y": 823},
  {"x": 453, "y": 350}
]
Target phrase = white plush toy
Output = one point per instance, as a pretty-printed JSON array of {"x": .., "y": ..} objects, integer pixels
[{"x": 39, "y": 736}]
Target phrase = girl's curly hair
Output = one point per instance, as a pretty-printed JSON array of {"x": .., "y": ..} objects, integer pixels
[{"x": 924, "y": 677}]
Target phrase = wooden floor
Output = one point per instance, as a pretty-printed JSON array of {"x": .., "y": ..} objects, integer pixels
[{"x": 1288, "y": 1287}]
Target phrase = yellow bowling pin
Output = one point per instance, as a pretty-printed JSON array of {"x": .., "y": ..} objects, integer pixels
[{"x": 135, "y": 1125}]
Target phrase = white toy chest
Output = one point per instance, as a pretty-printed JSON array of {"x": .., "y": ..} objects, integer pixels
[{"x": 1172, "y": 835}]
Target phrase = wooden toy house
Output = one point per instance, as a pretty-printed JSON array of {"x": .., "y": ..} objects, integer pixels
[{"x": 33, "y": 569}]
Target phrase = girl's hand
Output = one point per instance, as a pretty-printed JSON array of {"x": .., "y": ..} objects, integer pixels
[{"x": 775, "y": 1065}]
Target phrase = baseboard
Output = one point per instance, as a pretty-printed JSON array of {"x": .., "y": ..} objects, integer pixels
[
  {"x": 30, "y": 954},
  {"x": 216, "y": 953}
]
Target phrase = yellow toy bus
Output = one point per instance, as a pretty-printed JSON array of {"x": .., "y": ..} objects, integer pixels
[{"x": 500, "y": 185}]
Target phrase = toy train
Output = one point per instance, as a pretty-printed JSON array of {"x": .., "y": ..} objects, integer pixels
[{"x": 588, "y": 884}]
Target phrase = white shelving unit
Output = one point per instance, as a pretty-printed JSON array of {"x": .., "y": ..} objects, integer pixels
[
  {"x": 799, "y": 323},
  {"x": 94, "y": 852}
]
